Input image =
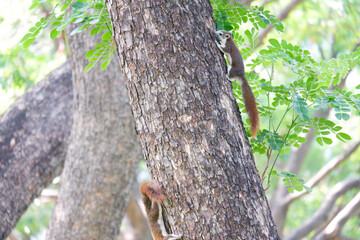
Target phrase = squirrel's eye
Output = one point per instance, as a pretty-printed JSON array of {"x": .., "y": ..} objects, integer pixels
[
  {"x": 220, "y": 33},
  {"x": 227, "y": 36}
]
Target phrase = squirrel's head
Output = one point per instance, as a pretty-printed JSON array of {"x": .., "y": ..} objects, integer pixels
[{"x": 222, "y": 36}]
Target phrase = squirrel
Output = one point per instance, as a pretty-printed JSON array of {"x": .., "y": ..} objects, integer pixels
[
  {"x": 153, "y": 198},
  {"x": 236, "y": 72}
]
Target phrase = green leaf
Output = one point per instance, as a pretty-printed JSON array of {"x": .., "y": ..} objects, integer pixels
[
  {"x": 28, "y": 42},
  {"x": 89, "y": 54},
  {"x": 33, "y": 29},
  {"x": 95, "y": 31},
  {"x": 33, "y": 5},
  {"x": 105, "y": 64},
  {"x": 274, "y": 42},
  {"x": 262, "y": 24},
  {"x": 344, "y": 116},
  {"x": 94, "y": 21},
  {"x": 64, "y": 24},
  {"x": 322, "y": 140},
  {"x": 78, "y": 5},
  {"x": 25, "y": 37},
  {"x": 77, "y": 30},
  {"x": 66, "y": 5},
  {"x": 337, "y": 128},
  {"x": 327, "y": 140},
  {"x": 343, "y": 137},
  {"x": 99, "y": 45},
  {"x": 329, "y": 123},
  {"x": 54, "y": 34},
  {"x": 106, "y": 36},
  {"x": 89, "y": 66},
  {"x": 301, "y": 107},
  {"x": 319, "y": 141}
]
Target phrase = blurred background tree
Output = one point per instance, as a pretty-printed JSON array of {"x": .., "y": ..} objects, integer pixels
[{"x": 327, "y": 29}]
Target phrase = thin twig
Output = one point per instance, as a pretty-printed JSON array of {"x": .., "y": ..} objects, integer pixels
[
  {"x": 333, "y": 229},
  {"x": 324, "y": 210},
  {"x": 266, "y": 167},
  {"x": 324, "y": 171}
]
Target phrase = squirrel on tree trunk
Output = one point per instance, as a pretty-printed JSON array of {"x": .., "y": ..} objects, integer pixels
[
  {"x": 236, "y": 72},
  {"x": 153, "y": 198}
]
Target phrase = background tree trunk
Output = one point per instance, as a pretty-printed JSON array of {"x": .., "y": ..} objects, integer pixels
[
  {"x": 188, "y": 120},
  {"x": 33, "y": 139},
  {"x": 102, "y": 156}
]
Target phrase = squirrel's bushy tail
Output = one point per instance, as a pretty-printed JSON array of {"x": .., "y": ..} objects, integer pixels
[{"x": 250, "y": 107}]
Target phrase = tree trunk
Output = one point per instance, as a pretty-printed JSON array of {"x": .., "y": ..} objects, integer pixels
[
  {"x": 188, "y": 121},
  {"x": 33, "y": 139},
  {"x": 102, "y": 155}
]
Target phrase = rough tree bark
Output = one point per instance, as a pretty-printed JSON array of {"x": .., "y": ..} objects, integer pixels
[
  {"x": 102, "y": 155},
  {"x": 33, "y": 138},
  {"x": 188, "y": 121}
]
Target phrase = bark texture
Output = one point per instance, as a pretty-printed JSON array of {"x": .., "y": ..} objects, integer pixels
[
  {"x": 102, "y": 155},
  {"x": 188, "y": 121},
  {"x": 33, "y": 139}
]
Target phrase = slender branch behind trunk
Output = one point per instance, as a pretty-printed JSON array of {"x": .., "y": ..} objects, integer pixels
[
  {"x": 102, "y": 156},
  {"x": 333, "y": 229},
  {"x": 323, "y": 212}
]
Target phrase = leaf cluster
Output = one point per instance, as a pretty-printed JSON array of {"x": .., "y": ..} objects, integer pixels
[
  {"x": 87, "y": 15},
  {"x": 310, "y": 86},
  {"x": 291, "y": 181}
]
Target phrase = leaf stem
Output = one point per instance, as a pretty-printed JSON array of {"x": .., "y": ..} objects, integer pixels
[{"x": 277, "y": 156}]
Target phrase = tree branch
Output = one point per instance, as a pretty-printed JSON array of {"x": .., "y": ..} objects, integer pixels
[
  {"x": 324, "y": 171},
  {"x": 333, "y": 229},
  {"x": 103, "y": 152},
  {"x": 33, "y": 142},
  {"x": 281, "y": 16},
  {"x": 322, "y": 214}
]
